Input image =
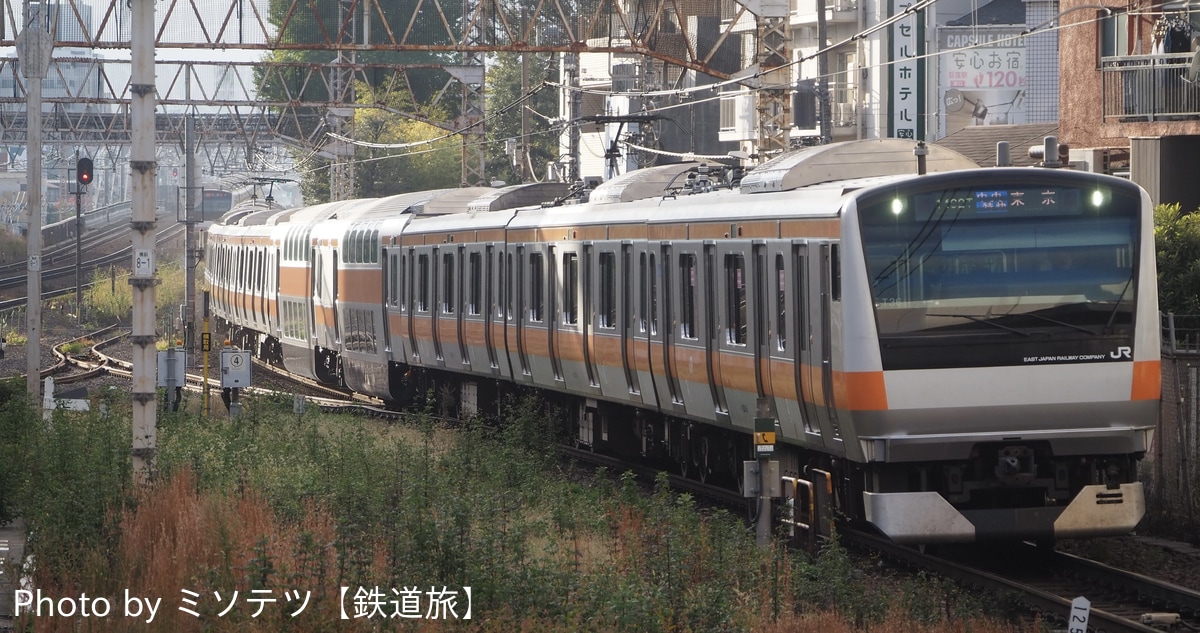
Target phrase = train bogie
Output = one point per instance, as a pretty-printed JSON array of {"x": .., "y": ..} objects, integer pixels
[{"x": 964, "y": 356}]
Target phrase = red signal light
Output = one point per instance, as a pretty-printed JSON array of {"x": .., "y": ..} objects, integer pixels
[{"x": 83, "y": 171}]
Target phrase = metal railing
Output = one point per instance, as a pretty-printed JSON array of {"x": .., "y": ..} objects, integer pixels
[
  {"x": 1181, "y": 333},
  {"x": 1148, "y": 88}
]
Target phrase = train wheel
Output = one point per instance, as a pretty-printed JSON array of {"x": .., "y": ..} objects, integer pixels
[{"x": 701, "y": 459}]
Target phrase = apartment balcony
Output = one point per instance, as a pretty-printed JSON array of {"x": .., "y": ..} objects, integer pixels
[{"x": 1148, "y": 88}]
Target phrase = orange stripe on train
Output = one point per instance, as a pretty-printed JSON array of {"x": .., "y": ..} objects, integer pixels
[{"x": 1147, "y": 380}]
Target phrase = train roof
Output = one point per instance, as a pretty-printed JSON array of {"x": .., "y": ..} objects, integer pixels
[
  {"x": 252, "y": 212},
  {"x": 856, "y": 159},
  {"x": 513, "y": 196},
  {"x": 640, "y": 184}
]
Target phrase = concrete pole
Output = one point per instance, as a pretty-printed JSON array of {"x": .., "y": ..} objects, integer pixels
[
  {"x": 33, "y": 47},
  {"x": 191, "y": 256},
  {"x": 143, "y": 172}
]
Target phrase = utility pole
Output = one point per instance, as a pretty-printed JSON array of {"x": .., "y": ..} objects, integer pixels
[
  {"x": 523, "y": 161},
  {"x": 823, "y": 75},
  {"x": 574, "y": 103},
  {"x": 144, "y": 279},
  {"x": 341, "y": 115},
  {"x": 191, "y": 255},
  {"x": 34, "y": 46}
]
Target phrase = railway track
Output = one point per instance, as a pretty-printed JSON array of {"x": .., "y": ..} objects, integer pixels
[
  {"x": 1046, "y": 582},
  {"x": 13, "y": 275}
]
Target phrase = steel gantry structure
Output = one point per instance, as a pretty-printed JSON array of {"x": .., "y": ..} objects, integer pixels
[
  {"x": 259, "y": 72},
  {"x": 131, "y": 73}
]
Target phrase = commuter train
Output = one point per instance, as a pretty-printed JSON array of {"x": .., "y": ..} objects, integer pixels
[{"x": 962, "y": 355}]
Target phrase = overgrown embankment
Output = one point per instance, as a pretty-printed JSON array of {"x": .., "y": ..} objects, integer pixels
[{"x": 333, "y": 515}]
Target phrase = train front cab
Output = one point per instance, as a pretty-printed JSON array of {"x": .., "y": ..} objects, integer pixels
[{"x": 1014, "y": 325}]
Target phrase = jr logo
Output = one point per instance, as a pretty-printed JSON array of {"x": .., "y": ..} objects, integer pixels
[{"x": 1122, "y": 352}]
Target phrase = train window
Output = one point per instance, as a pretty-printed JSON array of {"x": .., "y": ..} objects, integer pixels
[
  {"x": 642, "y": 283},
  {"x": 373, "y": 247},
  {"x": 401, "y": 280},
  {"x": 392, "y": 280},
  {"x": 570, "y": 288},
  {"x": 476, "y": 298},
  {"x": 536, "y": 286},
  {"x": 491, "y": 285},
  {"x": 608, "y": 290},
  {"x": 509, "y": 289},
  {"x": 780, "y": 304},
  {"x": 735, "y": 284},
  {"x": 448, "y": 283},
  {"x": 1027, "y": 257},
  {"x": 626, "y": 285},
  {"x": 388, "y": 279},
  {"x": 423, "y": 282},
  {"x": 687, "y": 287},
  {"x": 835, "y": 272}
]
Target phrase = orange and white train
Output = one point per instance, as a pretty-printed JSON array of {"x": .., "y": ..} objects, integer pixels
[{"x": 967, "y": 354}]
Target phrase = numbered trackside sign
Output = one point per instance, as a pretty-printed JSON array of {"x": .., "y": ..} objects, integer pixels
[
  {"x": 1081, "y": 611},
  {"x": 235, "y": 368},
  {"x": 143, "y": 263}
]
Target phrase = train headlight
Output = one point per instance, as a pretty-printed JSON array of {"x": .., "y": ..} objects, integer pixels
[
  {"x": 897, "y": 206},
  {"x": 1099, "y": 197}
]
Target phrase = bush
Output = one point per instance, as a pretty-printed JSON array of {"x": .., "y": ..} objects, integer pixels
[{"x": 274, "y": 500}]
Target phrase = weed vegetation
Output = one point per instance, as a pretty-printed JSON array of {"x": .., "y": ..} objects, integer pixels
[{"x": 349, "y": 515}]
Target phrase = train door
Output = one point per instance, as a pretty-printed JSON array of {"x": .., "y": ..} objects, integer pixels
[
  {"x": 313, "y": 276},
  {"x": 830, "y": 292},
  {"x": 551, "y": 318},
  {"x": 625, "y": 321},
  {"x": 275, "y": 321},
  {"x": 409, "y": 264},
  {"x": 388, "y": 292},
  {"x": 643, "y": 344},
  {"x": 670, "y": 329},
  {"x": 808, "y": 359},
  {"x": 437, "y": 305},
  {"x": 333, "y": 289},
  {"x": 780, "y": 339},
  {"x": 260, "y": 287},
  {"x": 589, "y": 350},
  {"x": 517, "y": 274},
  {"x": 757, "y": 308},
  {"x": 489, "y": 305},
  {"x": 460, "y": 306},
  {"x": 711, "y": 336}
]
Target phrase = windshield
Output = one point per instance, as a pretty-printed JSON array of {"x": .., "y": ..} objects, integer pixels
[{"x": 1002, "y": 261}]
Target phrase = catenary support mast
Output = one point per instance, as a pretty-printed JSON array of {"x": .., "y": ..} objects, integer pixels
[
  {"x": 33, "y": 46},
  {"x": 143, "y": 171}
]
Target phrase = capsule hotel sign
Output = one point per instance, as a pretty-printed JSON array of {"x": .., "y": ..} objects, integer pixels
[{"x": 906, "y": 73}]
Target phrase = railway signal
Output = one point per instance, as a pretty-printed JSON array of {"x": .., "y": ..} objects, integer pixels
[{"x": 83, "y": 171}]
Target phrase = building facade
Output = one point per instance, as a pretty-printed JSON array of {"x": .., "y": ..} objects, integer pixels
[{"x": 1127, "y": 97}]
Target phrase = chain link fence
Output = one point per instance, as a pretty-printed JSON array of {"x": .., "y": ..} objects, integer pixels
[{"x": 1170, "y": 470}]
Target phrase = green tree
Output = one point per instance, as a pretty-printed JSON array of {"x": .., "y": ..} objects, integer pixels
[
  {"x": 433, "y": 162},
  {"x": 505, "y": 104},
  {"x": 301, "y": 72},
  {"x": 1177, "y": 246}
]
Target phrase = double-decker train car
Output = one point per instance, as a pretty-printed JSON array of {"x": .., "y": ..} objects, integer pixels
[{"x": 964, "y": 355}]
